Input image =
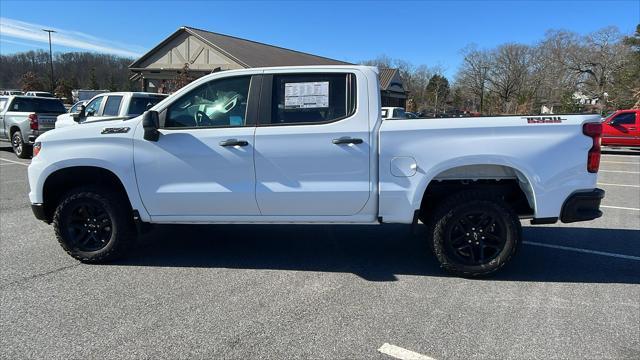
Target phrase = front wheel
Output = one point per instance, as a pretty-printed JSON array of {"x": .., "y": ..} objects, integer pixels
[
  {"x": 93, "y": 225},
  {"x": 475, "y": 233},
  {"x": 20, "y": 148}
]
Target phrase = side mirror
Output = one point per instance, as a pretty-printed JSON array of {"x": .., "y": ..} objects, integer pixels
[
  {"x": 77, "y": 117},
  {"x": 151, "y": 123}
]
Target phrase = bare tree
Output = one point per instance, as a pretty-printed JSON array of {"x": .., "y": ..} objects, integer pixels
[
  {"x": 474, "y": 73},
  {"x": 509, "y": 73}
]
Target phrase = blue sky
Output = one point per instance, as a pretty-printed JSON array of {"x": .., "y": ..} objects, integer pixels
[{"x": 423, "y": 32}]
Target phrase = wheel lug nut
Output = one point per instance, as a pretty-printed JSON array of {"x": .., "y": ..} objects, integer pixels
[
  {"x": 473, "y": 228},
  {"x": 467, "y": 234}
]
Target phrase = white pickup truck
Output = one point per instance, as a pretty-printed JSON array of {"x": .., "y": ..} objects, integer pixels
[
  {"x": 307, "y": 145},
  {"x": 109, "y": 105}
]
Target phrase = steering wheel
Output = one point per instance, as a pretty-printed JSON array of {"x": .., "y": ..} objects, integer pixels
[{"x": 202, "y": 119}]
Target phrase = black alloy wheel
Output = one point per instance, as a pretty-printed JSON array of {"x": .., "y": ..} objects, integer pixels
[
  {"x": 89, "y": 226},
  {"x": 476, "y": 238},
  {"x": 94, "y": 224},
  {"x": 474, "y": 233}
]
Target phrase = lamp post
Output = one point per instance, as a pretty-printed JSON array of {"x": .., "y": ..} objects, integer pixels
[{"x": 53, "y": 85}]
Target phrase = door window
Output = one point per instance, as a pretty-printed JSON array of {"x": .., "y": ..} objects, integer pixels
[
  {"x": 112, "y": 106},
  {"x": 94, "y": 106},
  {"x": 217, "y": 103},
  {"x": 625, "y": 119},
  {"x": 140, "y": 104},
  {"x": 312, "y": 98}
]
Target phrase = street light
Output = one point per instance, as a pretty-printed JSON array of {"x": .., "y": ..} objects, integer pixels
[{"x": 53, "y": 85}]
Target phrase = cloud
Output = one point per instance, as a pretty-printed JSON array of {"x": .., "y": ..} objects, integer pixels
[{"x": 73, "y": 39}]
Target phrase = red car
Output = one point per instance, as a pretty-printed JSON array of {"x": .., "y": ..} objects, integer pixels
[{"x": 621, "y": 128}]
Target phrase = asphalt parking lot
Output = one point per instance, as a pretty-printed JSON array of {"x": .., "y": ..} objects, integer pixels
[{"x": 334, "y": 292}]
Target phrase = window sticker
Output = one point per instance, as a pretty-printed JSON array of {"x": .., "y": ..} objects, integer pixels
[{"x": 306, "y": 95}]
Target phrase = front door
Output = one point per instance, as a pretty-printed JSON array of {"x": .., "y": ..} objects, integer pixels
[
  {"x": 621, "y": 129},
  {"x": 202, "y": 164},
  {"x": 312, "y": 146}
]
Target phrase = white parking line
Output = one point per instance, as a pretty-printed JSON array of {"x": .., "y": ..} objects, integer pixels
[
  {"x": 626, "y": 185},
  {"x": 586, "y": 251},
  {"x": 14, "y": 162},
  {"x": 619, "y": 207},
  {"x": 621, "y": 171},
  {"x": 400, "y": 353}
]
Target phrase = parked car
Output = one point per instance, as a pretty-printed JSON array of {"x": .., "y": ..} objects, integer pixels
[
  {"x": 24, "y": 118},
  {"x": 11, "y": 92},
  {"x": 622, "y": 128},
  {"x": 393, "y": 113},
  {"x": 40, "y": 94},
  {"x": 107, "y": 105},
  {"x": 307, "y": 145}
]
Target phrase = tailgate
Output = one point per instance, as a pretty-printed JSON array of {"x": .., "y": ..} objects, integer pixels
[{"x": 46, "y": 121}]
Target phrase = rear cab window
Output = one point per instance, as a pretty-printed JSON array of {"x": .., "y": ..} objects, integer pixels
[
  {"x": 312, "y": 98},
  {"x": 38, "y": 105}
]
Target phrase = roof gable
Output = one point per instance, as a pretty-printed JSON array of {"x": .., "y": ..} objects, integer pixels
[
  {"x": 244, "y": 53},
  {"x": 390, "y": 80}
]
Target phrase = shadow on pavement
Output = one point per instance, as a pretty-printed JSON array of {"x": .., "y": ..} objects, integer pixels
[
  {"x": 620, "y": 151},
  {"x": 375, "y": 253}
]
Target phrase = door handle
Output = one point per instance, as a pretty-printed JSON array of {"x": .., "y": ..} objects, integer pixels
[
  {"x": 347, "y": 140},
  {"x": 632, "y": 128},
  {"x": 234, "y": 142}
]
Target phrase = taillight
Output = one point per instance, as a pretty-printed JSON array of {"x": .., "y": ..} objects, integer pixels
[
  {"x": 36, "y": 148},
  {"x": 594, "y": 131},
  {"x": 33, "y": 121}
]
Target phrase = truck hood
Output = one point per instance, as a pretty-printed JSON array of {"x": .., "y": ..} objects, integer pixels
[{"x": 89, "y": 130}]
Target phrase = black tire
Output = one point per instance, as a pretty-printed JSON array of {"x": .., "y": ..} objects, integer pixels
[
  {"x": 94, "y": 225},
  {"x": 20, "y": 148},
  {"x": 474, "y": 233}
]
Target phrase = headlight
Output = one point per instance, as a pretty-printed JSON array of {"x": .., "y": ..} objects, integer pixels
[{"x": 36, "y": 148}]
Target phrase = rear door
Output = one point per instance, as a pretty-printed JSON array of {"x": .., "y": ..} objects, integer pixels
[
  {"x": 621, "y": 129},
  {"x": 312, "y": 145}
]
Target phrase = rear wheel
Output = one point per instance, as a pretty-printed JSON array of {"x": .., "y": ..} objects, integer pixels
[
  {"x": 20, "y": 148},
  {"x": 474, "y": 233},
  {"x": 93, "y": 225}
]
